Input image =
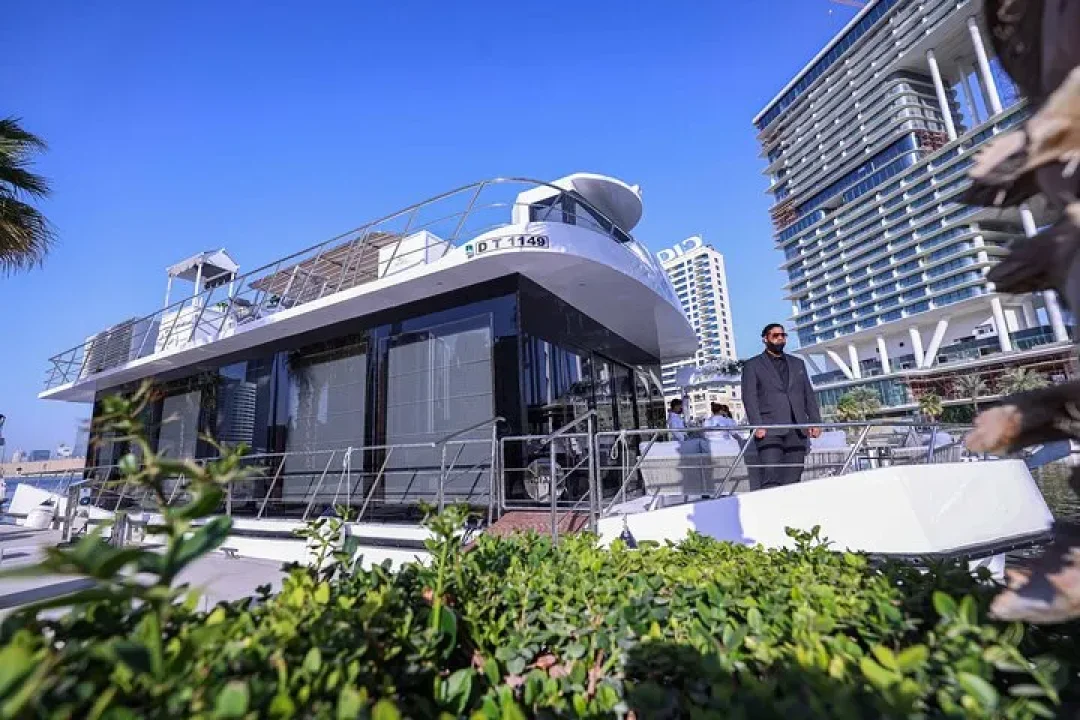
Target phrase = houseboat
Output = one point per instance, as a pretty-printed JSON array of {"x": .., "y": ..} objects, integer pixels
[{"x": 498, "y": 346}]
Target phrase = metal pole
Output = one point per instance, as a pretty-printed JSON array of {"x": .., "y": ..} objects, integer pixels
[
  {"x": 468, "y": 211},
  {"x": 554, "y": 500},
  {"x": 738, "y": 459},
  {"x": 854, "y": 450},
  {"x": 273, "y": 482},
  {"x": 322, "y": 478},
  {"x": 933, "y": 442},
  {"x": 375, "y": 484},
  {"x": 442, "y": 476},
  {"x": 228, "y": 499},
  {"x": 594, "y": 483},
  {"x": 348, "y": 477},
  {"x": 501, "y": 490},
  {"x": 494, "y": 470}
]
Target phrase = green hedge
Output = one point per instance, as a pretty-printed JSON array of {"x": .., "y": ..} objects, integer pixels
[{"x": 518, "y": 628}]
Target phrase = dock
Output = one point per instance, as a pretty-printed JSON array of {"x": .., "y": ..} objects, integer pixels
[{"x": 219, "y": 576}]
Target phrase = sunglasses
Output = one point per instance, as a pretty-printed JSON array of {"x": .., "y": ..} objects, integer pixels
[{"x": 778, "y": 334}]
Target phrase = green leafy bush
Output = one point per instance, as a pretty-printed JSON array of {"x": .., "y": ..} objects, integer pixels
[{"x": 520, "y": 628}]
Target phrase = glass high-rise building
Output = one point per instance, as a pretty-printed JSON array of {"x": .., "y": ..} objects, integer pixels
[{"x": 867, "y": 150}]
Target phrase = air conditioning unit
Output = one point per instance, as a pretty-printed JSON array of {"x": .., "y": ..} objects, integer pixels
[{"x": 119, "y": 345}]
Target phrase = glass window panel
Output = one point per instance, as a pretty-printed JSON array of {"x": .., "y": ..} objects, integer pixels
[
  {"x": 439, "y": 381},
  {"x": 179, "y": 433},
  {"x": 624, "y": 397},
  {"x": 327, "y": 392}
]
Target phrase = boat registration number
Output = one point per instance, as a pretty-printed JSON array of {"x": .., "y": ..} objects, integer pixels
[{"x": 479, "y": 247}]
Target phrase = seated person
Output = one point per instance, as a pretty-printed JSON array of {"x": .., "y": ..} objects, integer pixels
[
  {"x": 721, "y": 417},
  {"x": 675, "y": 420}
]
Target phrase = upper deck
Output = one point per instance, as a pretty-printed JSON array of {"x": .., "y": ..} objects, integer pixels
[{"x": 571, "y": 236}]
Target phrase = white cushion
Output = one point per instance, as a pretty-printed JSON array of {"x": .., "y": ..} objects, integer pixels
[{"x": 833, "y": 440}]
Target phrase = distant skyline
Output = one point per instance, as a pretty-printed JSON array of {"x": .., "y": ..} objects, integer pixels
[{"x": 265, "y": 128}]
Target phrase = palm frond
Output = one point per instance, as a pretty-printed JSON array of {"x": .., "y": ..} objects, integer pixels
[
  {"x": 14, "y": 136},
  {"x": 25, "y": 236},
  {"x": 16, "y": 180}
]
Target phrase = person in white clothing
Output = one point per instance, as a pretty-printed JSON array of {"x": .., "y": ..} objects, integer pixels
[
  {"x": 675, "y": 419},
  {"x": 721, "y": 417}
]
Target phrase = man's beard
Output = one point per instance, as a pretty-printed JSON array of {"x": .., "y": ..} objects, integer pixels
[{"x": 775, "y": 349}]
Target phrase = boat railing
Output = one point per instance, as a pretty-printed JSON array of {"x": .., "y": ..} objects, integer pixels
[
  {"x": 715, "y": 462},
  {"x": 542, "y": 469},
  {"x": 301, "y": 485},
  {"x": 399, "y": 242}
]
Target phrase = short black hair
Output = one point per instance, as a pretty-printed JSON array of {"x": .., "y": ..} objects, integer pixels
[
  {"x": 769, "y": 327},
  {"x": 676, "y": 401}
]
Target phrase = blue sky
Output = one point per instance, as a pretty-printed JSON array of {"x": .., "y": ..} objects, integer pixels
[{"x": 265, "y": 127}]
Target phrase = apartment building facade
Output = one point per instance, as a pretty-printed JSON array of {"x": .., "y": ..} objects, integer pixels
[{"x": 866, "y": 151}]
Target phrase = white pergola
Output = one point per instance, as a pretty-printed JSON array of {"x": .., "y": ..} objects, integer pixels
[{"x": 206, "y": 269}]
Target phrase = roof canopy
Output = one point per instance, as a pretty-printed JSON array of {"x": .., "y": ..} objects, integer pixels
[
  {"x": 214, "y": 264},
  {"x": 620, "y": 202}
]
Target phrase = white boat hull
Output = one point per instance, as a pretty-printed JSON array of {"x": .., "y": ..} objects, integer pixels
[{"x": 971, "y": 510}]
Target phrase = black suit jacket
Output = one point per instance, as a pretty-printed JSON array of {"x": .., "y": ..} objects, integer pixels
[{"x": 768, "y": 402}]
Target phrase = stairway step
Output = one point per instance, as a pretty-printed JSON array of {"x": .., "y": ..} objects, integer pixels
[{"x": 540, "y": 521}]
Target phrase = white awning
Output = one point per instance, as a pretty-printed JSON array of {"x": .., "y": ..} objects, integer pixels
[{"x": 214, "y": 263}]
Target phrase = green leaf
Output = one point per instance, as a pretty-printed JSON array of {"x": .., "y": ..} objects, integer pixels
[
  {"x": 969, "y": 612},
  {"x": 447, "y": 623},
  {"x": 913, "y": 658},
  {"x": 983, "y": 692},
  {"x": 944, "y": 605},
  {"x": 135, "y": 655},
  {"x": 322, "y": 593},
  {"x": 203, "y": 540},
  {"x": 283, "y": 707},
  {"x": 385, "y": 710},
  {"x": 207, "y": 500},
  {"x": 232, "y": 701},
  {"x": 886, "y": 657},
  {"x": 1027, "y": 691},
  {"x": 491, "y": 671},
  {"x": 459, "y": 689},
  {"x": 313, "y": 661},
  {"x": 1012, "y": 634},
  {"x": 16, "y": 662},
  {"x": 575, "y": 650},
  {"x": 878, "y": 676},
  {"x": 516, "y": 665},
  {"x": 350, "y": 703}
]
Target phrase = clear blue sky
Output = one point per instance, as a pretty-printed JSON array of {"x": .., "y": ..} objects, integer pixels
[{"x": 265, "y": 127}]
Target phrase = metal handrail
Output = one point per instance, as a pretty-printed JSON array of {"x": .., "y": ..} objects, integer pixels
[
  {"x": 864, "y": 427},
  {"x": 458, "y": 433},
  {"x": 565, "y": 429}
]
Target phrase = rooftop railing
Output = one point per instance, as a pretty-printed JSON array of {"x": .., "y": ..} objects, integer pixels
[{"x": 418, "y": 235}]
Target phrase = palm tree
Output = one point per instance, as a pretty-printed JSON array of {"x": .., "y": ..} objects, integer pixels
[
  {"x": 931, "y": 406},
  {"x": 25, "y": 234},
  {"x": 855, "y": 405},
  {"x": 972, "y": 387},
  {"x": 1020, "y": 380},
  {"x": 847, "y": 410}
]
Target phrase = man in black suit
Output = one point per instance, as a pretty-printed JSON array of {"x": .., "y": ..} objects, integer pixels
[{"x": 776, "y": 390}]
